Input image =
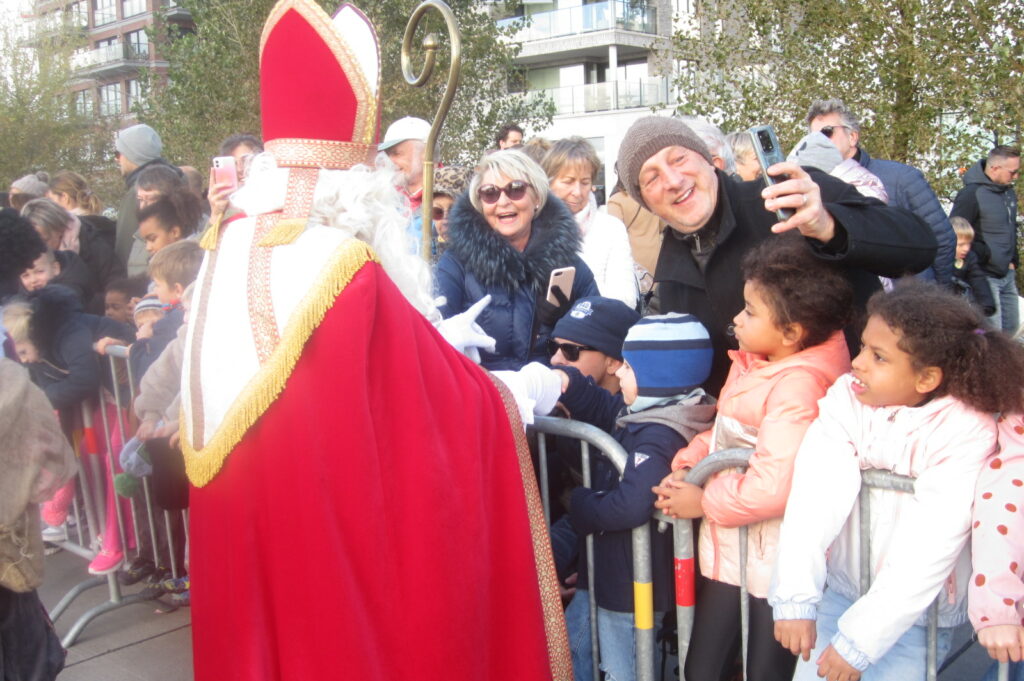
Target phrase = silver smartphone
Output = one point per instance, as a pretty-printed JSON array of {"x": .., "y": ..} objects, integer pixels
[{"x": 769, "y": 152}]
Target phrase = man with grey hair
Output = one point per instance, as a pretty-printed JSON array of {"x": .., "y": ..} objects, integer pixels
[
  {"x": 721, "y": 151},
  {"x": 905, "y": 185},
  {"x": 714, "y": 221}
]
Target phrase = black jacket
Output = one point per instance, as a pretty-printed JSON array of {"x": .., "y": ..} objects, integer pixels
[
  {"x": 992, "y": 210},
  {"x": 871, "y": 240},
  {"x": 70, "y": 371},
  {"x": 970, "y": 280}
]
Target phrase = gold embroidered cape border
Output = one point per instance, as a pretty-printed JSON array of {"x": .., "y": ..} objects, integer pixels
[
  {"x": 551, "y": 601},
  {"x": 202, "y": 465}
]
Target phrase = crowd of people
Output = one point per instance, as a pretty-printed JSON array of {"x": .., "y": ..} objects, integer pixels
[{"x": 867, "y": 330}]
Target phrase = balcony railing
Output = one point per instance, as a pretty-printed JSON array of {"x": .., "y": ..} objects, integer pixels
[
  {"x": 610, "y": 96},
  {"x": 110, "y": 54},
  {"x": 600, "y": 16},
  {"x": 55, "y": 22}
]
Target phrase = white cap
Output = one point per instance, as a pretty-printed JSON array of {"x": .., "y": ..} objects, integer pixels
[{"x": 408, "y": 128}]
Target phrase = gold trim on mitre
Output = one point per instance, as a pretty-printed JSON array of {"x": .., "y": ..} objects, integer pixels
[
  {"x": 364, "y": 128},
  {"x": 295, "y": 152},
  {"x": 264, "y": 387}
]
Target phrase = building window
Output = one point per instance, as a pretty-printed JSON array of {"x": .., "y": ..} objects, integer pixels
[
  {"x": 110, "y": 99},
  {"x": 84, "y": 103},
  {"x": 104, "y": 12},
  {"x": 138, "y": 44},
  {"x": 134, "y": 89},
  {"x": 78, "y": 13},
  {"x": 130, "y": 8}
]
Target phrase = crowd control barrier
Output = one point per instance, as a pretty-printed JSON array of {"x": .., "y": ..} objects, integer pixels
[
  {"x": 685, "y": 570},
  {"x": 643, "y": 588},
  {"x": 91, "y": 503}
]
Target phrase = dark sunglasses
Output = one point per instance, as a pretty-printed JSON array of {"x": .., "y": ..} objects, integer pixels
[
  {"x": 570, "y": 351},
  {"x": 439, "y": 213},
  {"x": 514, "y": 190},
  {"x": 829, "y": 129}
]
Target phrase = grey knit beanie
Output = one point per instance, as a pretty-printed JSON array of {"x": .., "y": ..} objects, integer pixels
[
  {"x": 817, "y": 151},
  {"x": 36, "y": 184},
  {"x": 140, "y": 144},
  {"x": 644, "y": 139}
]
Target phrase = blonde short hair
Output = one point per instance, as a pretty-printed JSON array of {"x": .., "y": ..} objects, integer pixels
[
  {"x": 177, "y": 263},
  {"x": 18, "y": 320},
  {"x": 571, "y": 151},
  {"x": 515, "y": 165},
  {"x": 961, "y": 227}
]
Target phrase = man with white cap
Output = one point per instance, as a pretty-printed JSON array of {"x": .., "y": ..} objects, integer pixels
[
  {"x": 138, "y": 147},
  {"x": 404, "y": 143}
]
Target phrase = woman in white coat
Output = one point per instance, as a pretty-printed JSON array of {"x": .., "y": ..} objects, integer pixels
[{"x": 571, "y": 165}]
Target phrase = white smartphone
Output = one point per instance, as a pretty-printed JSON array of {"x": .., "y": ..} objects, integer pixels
[
  {"x": 224, "y": 171},
  {"x": 562, "y": 278}
]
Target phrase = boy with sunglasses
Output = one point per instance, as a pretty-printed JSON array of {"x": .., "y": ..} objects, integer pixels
[{"x": 589, "y": 337}]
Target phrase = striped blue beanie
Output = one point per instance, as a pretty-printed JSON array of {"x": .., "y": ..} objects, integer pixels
[{"x": 670, "y": 355}]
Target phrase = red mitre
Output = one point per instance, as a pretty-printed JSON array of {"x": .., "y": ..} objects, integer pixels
[{"x": 319, "y": 82}]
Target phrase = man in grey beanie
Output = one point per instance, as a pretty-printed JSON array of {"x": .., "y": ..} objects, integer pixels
[
  {"x": 713, "y": 221},
  {"x": 138, "y": 147}
]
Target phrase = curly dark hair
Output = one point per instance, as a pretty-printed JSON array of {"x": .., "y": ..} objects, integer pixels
[
  {"x": 20, "y": 244},
  {"x": 981, "y": 367},
  {"x": 799, "y": 288},
  {"x": 177, "y": 208}
]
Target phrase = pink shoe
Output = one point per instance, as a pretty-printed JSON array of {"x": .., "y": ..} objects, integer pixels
[
  {"x": 106, "y": 562},
  {"x": 55, "y": 511}
]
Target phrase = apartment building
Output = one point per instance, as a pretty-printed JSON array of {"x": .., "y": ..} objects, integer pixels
[
  {"x": 116, "y": 47},
  {"x": 602, "y": 63}
]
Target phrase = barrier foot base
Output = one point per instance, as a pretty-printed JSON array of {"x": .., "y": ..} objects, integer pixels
[
  {"x": 94, "y": 612},
  {"x": 75, "y": 591}
]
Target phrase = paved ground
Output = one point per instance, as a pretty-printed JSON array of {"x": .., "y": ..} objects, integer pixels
[{"x": 139, "y": 643}]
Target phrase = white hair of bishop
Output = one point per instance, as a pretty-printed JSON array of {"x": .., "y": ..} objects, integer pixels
[{"x": 360, "y": 201}]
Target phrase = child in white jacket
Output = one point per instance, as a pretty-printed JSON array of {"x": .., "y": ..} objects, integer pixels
[{"x": 918, "y": 403}]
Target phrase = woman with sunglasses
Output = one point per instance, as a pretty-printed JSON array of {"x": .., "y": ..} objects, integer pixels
[
  {"x": 571, "y": 165},
  {"x": 506, "y": 237}
]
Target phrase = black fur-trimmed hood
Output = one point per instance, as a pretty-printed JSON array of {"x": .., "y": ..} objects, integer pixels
[{"x": 554, "y": 242}]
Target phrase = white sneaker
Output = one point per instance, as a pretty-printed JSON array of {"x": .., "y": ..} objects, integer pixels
[{"x": 55, "y": 534}]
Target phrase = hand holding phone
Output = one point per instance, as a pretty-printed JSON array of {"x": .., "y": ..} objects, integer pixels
[
  {"x": 769, "y": 152},
  {"x": 224, "y": 172},
  {"x": 562, "y": 279}
]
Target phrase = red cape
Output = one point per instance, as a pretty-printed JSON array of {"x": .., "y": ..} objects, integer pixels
[{"x": 375, "y": 522}]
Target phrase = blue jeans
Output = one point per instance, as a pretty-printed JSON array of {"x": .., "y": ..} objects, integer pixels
[
  {"x": 1004, "y": 292},
  {"x": 905, "y": 661},
  {"x": 614, "y": 637}
]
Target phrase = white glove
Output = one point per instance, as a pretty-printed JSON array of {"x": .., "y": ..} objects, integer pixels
[
  {"x": 464, "y": 334},
  {"x": 535, "y": 387}
]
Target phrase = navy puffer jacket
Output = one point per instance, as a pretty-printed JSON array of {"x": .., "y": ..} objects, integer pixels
[{"x": 479, "y": 261}]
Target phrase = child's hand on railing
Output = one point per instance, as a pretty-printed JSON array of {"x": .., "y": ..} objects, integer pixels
[
  {"x": 797, "y": 636},
  {"x": 147, "y": 430},
  {"x": 679, "y": 499},
  {"x": 100, "y": 346},
  {"x": 1004, "y": 642}
]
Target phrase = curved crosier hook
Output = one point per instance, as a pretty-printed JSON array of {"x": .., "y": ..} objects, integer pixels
[{"x": 430, "y": 45}]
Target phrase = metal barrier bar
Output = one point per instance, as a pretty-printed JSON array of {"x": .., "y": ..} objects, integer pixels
[
  {"x": 643, "y": 593},
  {"x": 94, "y": 486},
  {"x": 682, "y": 542}
]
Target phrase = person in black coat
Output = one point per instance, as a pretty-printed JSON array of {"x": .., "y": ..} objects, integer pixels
[
  {"x": 969, "y": 278},
  {"x": 59, "y": 267},
  {"x": 713, "y": 221}
]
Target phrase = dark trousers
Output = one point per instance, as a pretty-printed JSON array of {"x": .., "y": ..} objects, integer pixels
[
  {"x": 29, "y": 648},
  {"x": 715, "y": 643}
]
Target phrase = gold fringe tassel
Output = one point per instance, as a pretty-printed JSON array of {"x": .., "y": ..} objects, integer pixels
[
  {"x": 204, "y": 464},
  {"x": 211, "y": 236},
  {"x": 285, "y": 232}
]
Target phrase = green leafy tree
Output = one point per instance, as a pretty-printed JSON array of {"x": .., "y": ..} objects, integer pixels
[
  {"x": 932, "y": 81},
  {"x": 212, "y": 89},
  {"x": 40, "y": 125}
]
